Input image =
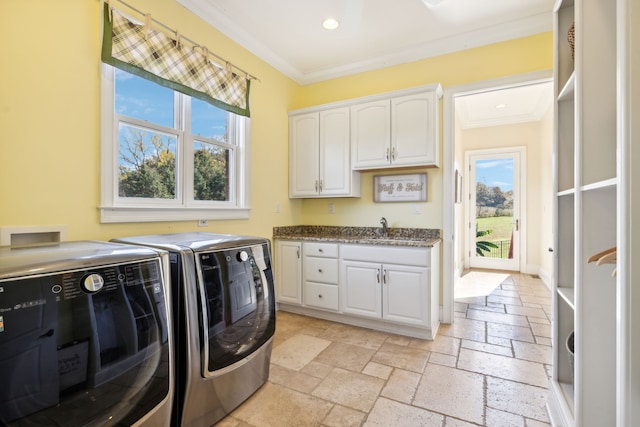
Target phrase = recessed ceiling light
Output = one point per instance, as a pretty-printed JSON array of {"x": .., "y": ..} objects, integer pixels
[
  {"x": 501, "y": 106},
  {"x": 330, "y": 24}
]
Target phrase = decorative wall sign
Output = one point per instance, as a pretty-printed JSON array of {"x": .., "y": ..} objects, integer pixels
[{"x": 400, "y": 188}]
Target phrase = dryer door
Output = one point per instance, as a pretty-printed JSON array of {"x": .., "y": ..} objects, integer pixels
[
  {"x": 30, "y": 381},
  {"x": 239, "y": 304},
  {"x": 84, "y": 347}
]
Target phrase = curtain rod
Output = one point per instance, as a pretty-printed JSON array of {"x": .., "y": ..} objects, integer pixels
[{"x": 224, "y": 61}]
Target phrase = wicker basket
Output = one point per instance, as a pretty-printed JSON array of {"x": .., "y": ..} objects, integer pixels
[{"x": 571, "y": 38}]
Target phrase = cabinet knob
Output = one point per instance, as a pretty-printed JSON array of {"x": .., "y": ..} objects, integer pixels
[
  {"x": 550, "y": 249},
  {"x": 320, "y": 296},
  {"x": 319, "y": 270},
  {"x": 320, "y": 250}
]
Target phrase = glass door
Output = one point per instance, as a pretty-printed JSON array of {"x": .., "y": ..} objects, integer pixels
[{"x": 494, "y": 209}]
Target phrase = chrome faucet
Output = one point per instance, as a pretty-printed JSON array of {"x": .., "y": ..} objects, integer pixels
[{"x": 385, "y": 227}]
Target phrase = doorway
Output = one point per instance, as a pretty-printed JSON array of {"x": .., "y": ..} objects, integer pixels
[
  {"x": 453, "y": 229},
  {"x": 494, "y": 216}
]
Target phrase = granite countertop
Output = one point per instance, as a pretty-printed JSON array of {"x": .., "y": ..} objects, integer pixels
[{"x": 413, "y": 237}]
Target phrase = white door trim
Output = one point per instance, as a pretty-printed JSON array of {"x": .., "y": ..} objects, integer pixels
[
  {"x": 448, "y": 136},
  {"x": 522, "y": 196}
]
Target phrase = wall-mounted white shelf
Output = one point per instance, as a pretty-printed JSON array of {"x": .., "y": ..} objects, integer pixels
[
  {"x": 567, "y": 92},
  {"x": 568, "y": 295}
]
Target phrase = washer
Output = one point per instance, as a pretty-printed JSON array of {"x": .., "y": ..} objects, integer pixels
[
  {"x": 85, "y": 335},
  {"x": 224, "y": 320}
]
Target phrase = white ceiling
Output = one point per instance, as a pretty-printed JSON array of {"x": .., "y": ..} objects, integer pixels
[
  {"x": 373, "y": 33},
  {"x": 521, "y": 104},
  {"x": 288, "y": 35}
]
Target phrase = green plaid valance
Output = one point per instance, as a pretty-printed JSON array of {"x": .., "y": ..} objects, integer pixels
[{"x": 151, "y": 54}]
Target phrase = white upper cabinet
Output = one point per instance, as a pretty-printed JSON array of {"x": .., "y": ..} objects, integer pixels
[
  {"x": 319, "y": 155},
  {"x": 304, "y": 154},
  {"x": 329, "y": 144},
  {"x": 397, "y": 131},
  {"x": 371, "y": 134},
  {"x": 414, "y": 131}
]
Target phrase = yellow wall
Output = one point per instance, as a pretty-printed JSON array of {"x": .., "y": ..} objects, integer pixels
[{"x": 50, "y": 120}]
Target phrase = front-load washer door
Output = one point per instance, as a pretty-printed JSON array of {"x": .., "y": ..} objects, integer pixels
[
  {"x": 238, "y": 304},
  {"x": 84, "y": 347}
]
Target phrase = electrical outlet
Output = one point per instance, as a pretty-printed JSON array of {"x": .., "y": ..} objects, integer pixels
[
  {"x": 332, "y": 208},
  {"x": 203, "y": 223}
]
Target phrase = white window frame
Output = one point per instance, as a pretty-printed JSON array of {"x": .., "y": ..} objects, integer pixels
[{"x": 115, "y": 209}]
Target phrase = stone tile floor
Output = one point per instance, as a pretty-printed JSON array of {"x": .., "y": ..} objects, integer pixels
[{"x": 489, "y": 368}]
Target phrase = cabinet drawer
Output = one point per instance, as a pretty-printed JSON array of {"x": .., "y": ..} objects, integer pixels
[
  {"x": 328, "y": 250},
  {"x": 323, "y": 270},
  {"x": 321, "y": 296}
]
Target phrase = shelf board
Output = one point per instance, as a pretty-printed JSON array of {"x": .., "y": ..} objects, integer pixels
[
  {"x": 566, "y": 94},
  {"x": 612, "y": 182},
  {"x": 567, "y": 390},
  {"x": 562, "y": 4},
  {"x": 566, "y": 192},
  {"x": 568, "y": 295}
]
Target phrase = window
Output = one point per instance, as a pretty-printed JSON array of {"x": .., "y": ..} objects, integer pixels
[{"x": 167, "y": 156}]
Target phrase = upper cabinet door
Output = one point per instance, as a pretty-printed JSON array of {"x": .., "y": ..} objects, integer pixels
[
  {"x": 371, "y": 135},
  {"x": 303, "y": 155},
  {"x": 335, "y": 156},
  {"x": 414, "y": 130}
]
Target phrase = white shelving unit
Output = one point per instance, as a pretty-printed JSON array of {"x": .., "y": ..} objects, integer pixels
[
  {"x": 628, "y": 242},
  {"x": 586, "y": 183}
]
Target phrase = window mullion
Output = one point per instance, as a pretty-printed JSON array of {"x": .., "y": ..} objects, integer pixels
[{"x": 186, "y": 150}]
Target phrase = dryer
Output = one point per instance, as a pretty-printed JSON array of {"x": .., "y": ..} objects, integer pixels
[
  {"x": 85, "y": 335},
  {"x": 224, "y": 320}
]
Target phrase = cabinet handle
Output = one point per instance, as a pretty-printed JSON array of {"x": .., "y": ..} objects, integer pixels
[
  {"x": 321, "y": 186},
  {"x": 316, "y": 185},
  {"x": 378, "y": 275},
  {"x": 393, "y": 153},
  {"x": 550, "y": 249},
  {"x": 298, "y": 252},
  {"x": 387, "y": 154},
  {"x": 384, "y": 276}
]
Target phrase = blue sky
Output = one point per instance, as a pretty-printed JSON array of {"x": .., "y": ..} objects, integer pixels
[
  {"x": 145, "y": 100},
  {"x": 495, "y": 173}
]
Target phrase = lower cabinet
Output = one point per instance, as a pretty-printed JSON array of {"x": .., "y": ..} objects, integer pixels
[
  {"x": 389, "y": 288},
  {"x": 288, "y": 271},
  {"x": 392, "y": 292},
  {"x": 361, "y": 288},
  {"x": 405, "y": 293}
]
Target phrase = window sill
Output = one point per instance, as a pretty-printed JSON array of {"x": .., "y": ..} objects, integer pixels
[{"x": 109, "y": 214}]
